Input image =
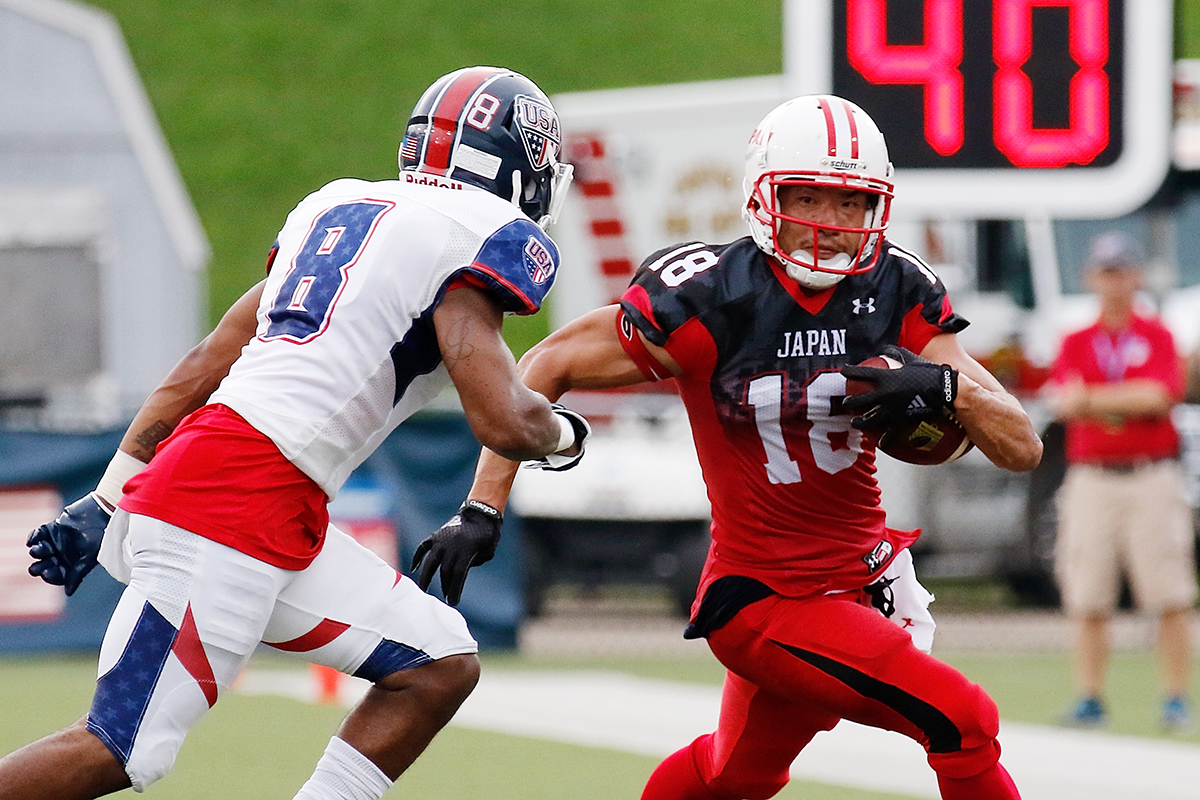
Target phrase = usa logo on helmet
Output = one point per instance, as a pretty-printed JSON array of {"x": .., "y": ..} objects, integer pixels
[
  {"x": 538, "y": 261},
  {"x": 539, "y": 130}
]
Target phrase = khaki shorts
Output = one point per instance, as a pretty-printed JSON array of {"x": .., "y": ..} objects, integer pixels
[{"x": 1134, "y": 523}]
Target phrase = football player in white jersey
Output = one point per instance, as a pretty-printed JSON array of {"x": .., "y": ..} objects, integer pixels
[{"x": 378, "y": 295}]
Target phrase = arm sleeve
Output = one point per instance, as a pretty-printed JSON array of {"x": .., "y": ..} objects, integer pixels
[
  {"x": 929, "y": 310},
  {"x": 1066, "y": 362},
  {"x": 1168, "y": 365},
  {"x": 657, "y": 309},
  {"x": 635, "y": 348},
  {"x": 517, "y": 265}
]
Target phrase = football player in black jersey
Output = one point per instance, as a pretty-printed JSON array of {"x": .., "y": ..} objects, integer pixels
[{"x": 807, "y": 597}]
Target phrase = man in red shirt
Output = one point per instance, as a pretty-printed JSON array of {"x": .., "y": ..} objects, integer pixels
[
  {"x": 759, "y": 336},
  {"x": 1121, "y": 507}
]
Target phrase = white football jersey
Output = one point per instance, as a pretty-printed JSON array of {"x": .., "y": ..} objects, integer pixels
[{"x": 345, "y": 348}]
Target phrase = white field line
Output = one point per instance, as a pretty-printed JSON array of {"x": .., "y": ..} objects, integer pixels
[{"x": 655, "y": 718}]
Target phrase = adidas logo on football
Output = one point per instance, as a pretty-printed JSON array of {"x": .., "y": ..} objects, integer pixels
[{"x": 917, "y": 406}]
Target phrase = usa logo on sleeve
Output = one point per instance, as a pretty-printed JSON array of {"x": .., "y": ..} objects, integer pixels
[{"x": 538, "y": 261}]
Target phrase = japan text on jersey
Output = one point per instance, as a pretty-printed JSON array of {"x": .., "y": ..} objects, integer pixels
[{"x": 791, "y": 481}]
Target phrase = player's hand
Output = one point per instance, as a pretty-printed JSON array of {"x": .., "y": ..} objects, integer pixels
[
  {"x": 570, "y": 456},
  {"x": 64, "y": 551},
  {"x": 918, "y": 389},
  {"x": 467, "y": 540}
]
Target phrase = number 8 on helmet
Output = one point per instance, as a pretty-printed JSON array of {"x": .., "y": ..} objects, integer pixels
[{"x": 495, "y": 129}]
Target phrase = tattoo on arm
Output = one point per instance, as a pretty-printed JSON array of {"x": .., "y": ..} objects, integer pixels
[
  {"x": 149, "y": 438},
  {"x": 458, "y": 345}
]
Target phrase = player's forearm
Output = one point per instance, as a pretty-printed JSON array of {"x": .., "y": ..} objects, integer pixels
[
  {"x": 494, "y": 476},
  {"x": 194, "y": 378},
  {"x": 997, "y": 425},
  {"x": 585, "y": 354},
  {"x": 163, "y": 410}
]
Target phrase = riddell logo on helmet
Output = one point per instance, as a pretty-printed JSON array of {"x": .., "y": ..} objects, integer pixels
[{"x": 430, "y": 180}]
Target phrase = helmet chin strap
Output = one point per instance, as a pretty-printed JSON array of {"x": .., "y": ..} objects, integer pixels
[
  {"x": 815, "y": 279},
  {"x": 516, "y": 188}
]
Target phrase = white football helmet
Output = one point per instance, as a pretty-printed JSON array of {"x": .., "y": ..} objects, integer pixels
[{"x": 825, "y": 140}]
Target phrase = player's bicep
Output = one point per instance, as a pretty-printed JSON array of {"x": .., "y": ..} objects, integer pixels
[
  {"x": 236, "y": 328},
  {"x": 585, "y": 354},
  {"x": 468, "y": 326}
]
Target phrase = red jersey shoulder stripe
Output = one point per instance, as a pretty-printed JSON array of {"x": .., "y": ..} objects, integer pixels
[{"x": 636, "y": 349}]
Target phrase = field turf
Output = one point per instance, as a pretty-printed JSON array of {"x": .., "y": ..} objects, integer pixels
[{"x": 264, "y": 747}]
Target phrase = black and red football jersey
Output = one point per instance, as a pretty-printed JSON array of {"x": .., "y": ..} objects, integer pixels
[{"x": 794, "y": 498}]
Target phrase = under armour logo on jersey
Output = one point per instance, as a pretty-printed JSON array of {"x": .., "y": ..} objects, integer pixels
[
  {"x": 864, "y": 308},
  {"x": 879, "y": 556}
]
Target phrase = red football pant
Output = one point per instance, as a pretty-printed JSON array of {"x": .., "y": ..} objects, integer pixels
[{"x": 796, "y": 667}]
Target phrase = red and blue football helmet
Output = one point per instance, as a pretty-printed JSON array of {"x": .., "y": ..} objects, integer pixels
[{"x": 495, "y": 129}]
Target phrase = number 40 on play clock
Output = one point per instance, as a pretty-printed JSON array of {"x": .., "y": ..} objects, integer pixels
[{"x": 989, "y": 103}]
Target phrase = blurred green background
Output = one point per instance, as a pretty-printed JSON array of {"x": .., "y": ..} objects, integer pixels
[{"x": 264, "y": 101}]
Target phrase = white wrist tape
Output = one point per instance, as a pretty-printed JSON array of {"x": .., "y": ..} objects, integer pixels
[
  {"x": 122, "y": 467},
  {"x": 566, "y": 433}
]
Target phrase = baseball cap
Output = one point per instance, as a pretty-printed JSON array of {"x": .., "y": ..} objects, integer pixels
[{"x": 1115, "y": 250}]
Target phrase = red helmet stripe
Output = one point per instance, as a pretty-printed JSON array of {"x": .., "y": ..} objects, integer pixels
[
  {"x": 443, "y": 123},
  {"x": 853, "y": 130},
  {"x": 830, "y": 127}
]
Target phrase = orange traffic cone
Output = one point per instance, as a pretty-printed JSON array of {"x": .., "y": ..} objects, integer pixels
[{"x": 328, "y": 684}]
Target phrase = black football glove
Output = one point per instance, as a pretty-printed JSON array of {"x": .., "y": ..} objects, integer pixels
[
  {"x": 556, "y": 462},
  {"x": 918, "y": 389},
  {"x": 64, "y": 551},
  {"x": 467, "y": 540}
]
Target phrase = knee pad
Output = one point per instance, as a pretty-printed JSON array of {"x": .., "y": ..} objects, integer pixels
[
  {"x": 734, "y": 782},
  {"x": 978, "y": 721},
  {"x": 746, "y": 787}
]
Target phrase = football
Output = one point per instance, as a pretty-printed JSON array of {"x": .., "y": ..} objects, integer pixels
[{"x": 936, "y": 440}]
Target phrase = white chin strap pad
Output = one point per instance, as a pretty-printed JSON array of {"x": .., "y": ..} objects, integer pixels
[{"x": 812, "y": 278}]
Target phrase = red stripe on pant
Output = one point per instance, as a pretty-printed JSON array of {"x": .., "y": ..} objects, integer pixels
[
  {"x": 190, "y": 651},
  {"x": 324, "y": 633}
]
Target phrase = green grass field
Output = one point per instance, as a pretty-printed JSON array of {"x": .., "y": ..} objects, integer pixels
[{"x": 264, "y": 747}]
